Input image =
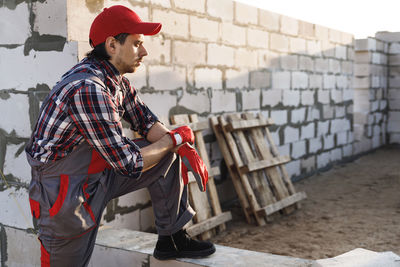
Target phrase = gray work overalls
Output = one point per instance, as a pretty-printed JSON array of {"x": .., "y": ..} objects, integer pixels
[{"x": 68, "y": 197}]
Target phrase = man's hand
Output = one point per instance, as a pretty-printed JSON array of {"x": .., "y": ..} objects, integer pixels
[
  {"x": 191, "y": 161},
  {"x": 182, "y": 135}
]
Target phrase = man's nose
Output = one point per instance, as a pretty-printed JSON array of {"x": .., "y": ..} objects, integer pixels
[{"x": 143, "y": 51}]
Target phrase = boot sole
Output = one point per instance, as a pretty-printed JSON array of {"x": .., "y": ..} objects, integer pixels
[{"x": 159, "y": 255}]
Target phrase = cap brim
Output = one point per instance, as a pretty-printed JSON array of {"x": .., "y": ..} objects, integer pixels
[{"x": 147, "y": 28}]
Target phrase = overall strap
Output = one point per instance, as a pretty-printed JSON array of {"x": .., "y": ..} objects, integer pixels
[{"x": 71, "y": 78}]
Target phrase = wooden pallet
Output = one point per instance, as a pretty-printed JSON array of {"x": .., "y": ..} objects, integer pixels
[
  {"x": 208, "y": 209},
  {"x": 258, "y": 172}
]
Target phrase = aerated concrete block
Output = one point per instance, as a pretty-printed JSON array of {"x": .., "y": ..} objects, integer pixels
[
  {"x": 159, "y": 50},
  {"x": 316, "y": 81},
  {"x": 347, "y": 67},
  {"x": 199, "y": 102},
  {"x": 138, "y": 79},
  {"x": 314, "y": 145},
  {"x": 245, "y": 14},
  {"x": 23, "y": 249},
  {"x": 166, "y": 77},
  {"x": 337, "y": 96},
  {"x": 368, "y": 44},
  {"x": 173, "y": 23},
  {"x": 208, "y": 78},
  {"x": 245, "y": 58},
  {"x": 327, "y": 111},
  {"x": 271, "y": 97},
  {"x": 307, "y": 98},
  {"x": 222, "y": 9},
  {"x": 322, "y": 65},
  {"x": 329, "y": 81},
  {"x": 323, "y": 128},
  {"x": 159, "y": 102},
  {"x": 16, "y": 110},
  {"x": 299, "y": 80},
  {"x": 314, "y": 48},
  {"x": 233, "y": 34},
  {"x": 281, "y": 80},
  {"x": 237, "y": 79},
  {"x": 308, "y": 131},
  {"x": 279, "y": 42},
  {"x": 321, "y": 32},
  {"x": 297, "y": 45},
  {"x": 298, "y": 115},
  {"x": 323, "y": 159},
  {"x": 51, "y": 17},
  {"x": 223, "y": 101},
  {"x": 341, "y": 138},
  {"x": 220, "y": 55},
  {"x": 163, "y": 3},
  {"x": 334, "y": 66},
  {"x": 289, "y": 26},
  {"x": 341, "y": 52},
  {"x": 251, "y": 99},
  {"x": 280, "y": 117},
  {"x": 269, "y": 20},
  {"x": 336, "y": 154},
  {"x": 15, "y": 26},
  {"x": 293, "y": 168},
  {"x": 394, "y": 48},
  {"x": 306, "y": 63},
  {"x": 260, "y": 79},
  {"x": 291, "y": 134},
  {"x": 192, "y": 5},
  {"x": 289, "y": 62},
  {"x": 184, "y": 51},
  {"x": 15, "y": 208},
  {"x": 129, "y": 221},
  {"x": 291, "y": 97},
  {"x": 14, "y": 62},
  {"x": 257, "y": 38},
  {"x": 15, "y": 163}
]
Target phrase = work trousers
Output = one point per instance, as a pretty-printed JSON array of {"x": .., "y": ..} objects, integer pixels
[{"x": 68, "y": 198}]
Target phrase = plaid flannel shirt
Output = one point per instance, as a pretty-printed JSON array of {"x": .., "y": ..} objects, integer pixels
[{"x": 84, "y": 110}]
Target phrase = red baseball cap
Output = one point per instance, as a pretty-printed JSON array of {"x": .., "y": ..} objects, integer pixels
[{"x": 119, "y": 19}]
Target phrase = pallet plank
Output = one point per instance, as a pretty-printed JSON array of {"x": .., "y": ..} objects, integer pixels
[
  {"x": 246, "y": 124},
  {"x": 275, "y": 152},
  {"x": 212, "y": 190},
  {"x": 264, "y": 150},
  {"x": 246, "y": 182},
  {"x": 281, "y": 204},
  {"x": 230, "y": 165},
  {"x": 266, "y": 163},
  {"x": 211, "y": 223}
]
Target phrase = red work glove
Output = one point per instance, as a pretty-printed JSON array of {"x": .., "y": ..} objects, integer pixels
[
  {"x": 191, "y": 161},
  {"x": 182, "y": 135}
]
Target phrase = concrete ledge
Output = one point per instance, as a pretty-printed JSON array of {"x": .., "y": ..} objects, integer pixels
[
  {"x": 121, "y": 247},
  {"x": 360, "y": 257}
]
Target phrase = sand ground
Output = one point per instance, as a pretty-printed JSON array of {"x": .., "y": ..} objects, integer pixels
[{"x": 353, "y": 205}]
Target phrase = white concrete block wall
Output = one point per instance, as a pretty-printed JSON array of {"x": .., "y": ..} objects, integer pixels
[
  {"x": 370, "y": 87},
  {"x": 393, "y": 93}
]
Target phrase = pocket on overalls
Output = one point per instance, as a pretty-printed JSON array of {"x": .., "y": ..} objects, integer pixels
[
  {"x": 34, "y": 198},
  {"x": 35, "y": 208},
  {"x": 69, "y": 216}
]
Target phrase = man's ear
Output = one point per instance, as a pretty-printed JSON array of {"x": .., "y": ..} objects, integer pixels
[{"x": 111, "y": 45}]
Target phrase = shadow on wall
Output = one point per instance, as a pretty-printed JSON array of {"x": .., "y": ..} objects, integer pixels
[{"x": 308, "y": 95}]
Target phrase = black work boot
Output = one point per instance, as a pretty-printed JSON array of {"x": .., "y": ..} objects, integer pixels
[{"x": 180, "y": 245}]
